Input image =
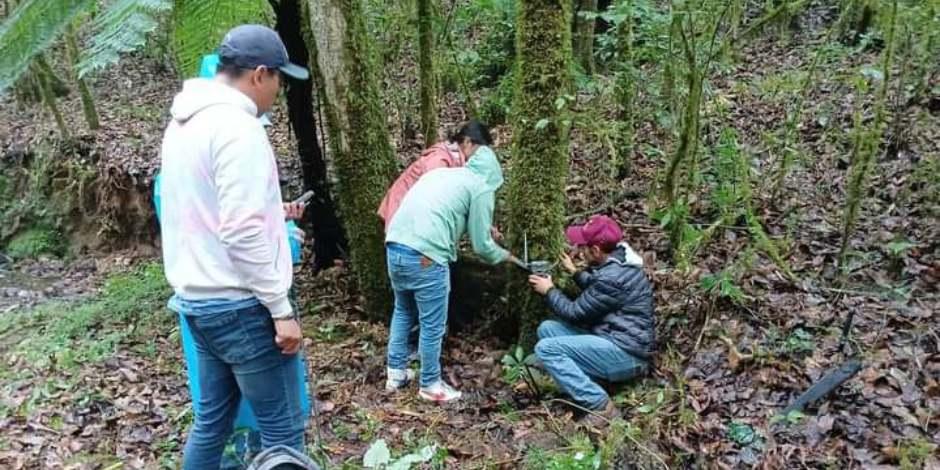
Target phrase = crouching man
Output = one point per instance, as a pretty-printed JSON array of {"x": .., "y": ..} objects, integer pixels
[{"x": 606, "y": 333}]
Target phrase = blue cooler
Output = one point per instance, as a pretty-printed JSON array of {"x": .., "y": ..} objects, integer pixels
[{"x": 246, "y": 436}]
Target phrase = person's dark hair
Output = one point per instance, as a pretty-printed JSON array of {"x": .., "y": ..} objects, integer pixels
[
  {"x": 226, "y": 67},
  {"x": 474, "y": 130},
  {"x": 608, "y": 247}
]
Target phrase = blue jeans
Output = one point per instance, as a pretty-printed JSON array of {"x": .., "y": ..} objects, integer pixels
[
  {"x": 237, "y": 356},
  {"x": 421, "y": 289},
  {"x": 573, "y": 356}
]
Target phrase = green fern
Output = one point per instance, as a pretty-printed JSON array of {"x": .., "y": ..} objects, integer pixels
[
  {"x": 30, "y": 30},
  {"x": 120, "y": 29},
  {"x": 199, "y": 25}
]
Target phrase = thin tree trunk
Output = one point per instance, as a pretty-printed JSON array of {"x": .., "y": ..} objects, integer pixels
[
  {"x": 88, "y": 101},
  {"x": 426, "y": 52},
  {"x": 44, "y": 73},
  {"x": 869, "y": 142},
  {"x": 362, "y": 154},
  {"x": 329, "y": 239},
  {"x": 626, "y": 89},
  {"x": 584, "y": 35},
  {"x": 540, "y": 146}
]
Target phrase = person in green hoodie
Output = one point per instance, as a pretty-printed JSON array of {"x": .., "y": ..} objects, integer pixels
[{"x": 422, "y": 239}]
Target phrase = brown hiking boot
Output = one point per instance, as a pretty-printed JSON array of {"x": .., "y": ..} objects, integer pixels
[{"x": 599, "y": 419}]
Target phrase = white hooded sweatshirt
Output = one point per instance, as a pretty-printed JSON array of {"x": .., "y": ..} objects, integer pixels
[{"x": 222, "y": 223}]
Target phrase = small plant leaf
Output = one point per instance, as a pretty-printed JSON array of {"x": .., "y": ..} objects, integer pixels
[
  {"x": 378, "y": 455},
  {"x": 541, "y": 124},
  {"x": 741, "y": 433}
]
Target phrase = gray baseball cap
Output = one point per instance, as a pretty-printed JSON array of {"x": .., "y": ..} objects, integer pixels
[{"x": 253, "y": 45}]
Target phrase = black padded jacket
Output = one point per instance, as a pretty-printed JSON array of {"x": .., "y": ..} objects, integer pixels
[{"x": 616, "y": 303}]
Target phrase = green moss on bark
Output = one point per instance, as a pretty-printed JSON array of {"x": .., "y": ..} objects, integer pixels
[
  {"x": 584, "y": 35},
  {"x": 363, "y": 157},
  {"x": 426, "y": 15},
  {"x": 540, "y": 145}
]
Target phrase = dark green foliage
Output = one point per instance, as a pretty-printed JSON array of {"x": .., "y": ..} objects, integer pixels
[
  {"x": 123, "y": 27},
  {"x": 480, "y": 43},
  {"x": 497, "y": 103},
  {"x": 493, "y": 55},
  {"x": 31, "y": 29},
  {"x": 540, "y": 145},
  {"x": 35, "y": 242},
  {"x": 362, "y": 154},
  {"x": 199, "y": 25}
]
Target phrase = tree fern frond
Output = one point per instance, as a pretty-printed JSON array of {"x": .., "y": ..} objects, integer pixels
[
  {"x": 30, "y": 29},
  {"x": 123, "y": 27},
  {"x": 199, "y": 25}
]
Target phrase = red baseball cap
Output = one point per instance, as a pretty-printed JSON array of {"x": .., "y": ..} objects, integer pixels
[{"x": 599, "y": 230}]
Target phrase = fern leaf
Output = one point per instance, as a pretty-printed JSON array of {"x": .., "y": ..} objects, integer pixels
[
  {"x": 31, "y": 29},
  {"x": 123, "y": 27},
  {"x": 199, "y": 25}
]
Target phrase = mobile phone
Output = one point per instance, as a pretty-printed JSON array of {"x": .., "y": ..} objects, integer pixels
[{"x": 304, "y": 198}]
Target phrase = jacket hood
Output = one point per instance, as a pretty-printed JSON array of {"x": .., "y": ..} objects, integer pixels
[
  {"x": 201, "y": 93},
  {"x": 484, "y": 164},
  {"x": 624, "y": 255}
]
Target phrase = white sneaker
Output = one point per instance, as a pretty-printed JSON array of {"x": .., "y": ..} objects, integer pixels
[
  {"x": 398, "y": 379},
  {"x": 439, "y": 392}
]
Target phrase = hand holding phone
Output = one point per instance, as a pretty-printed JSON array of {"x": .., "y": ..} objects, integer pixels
[{"x": 295, "y": 210}]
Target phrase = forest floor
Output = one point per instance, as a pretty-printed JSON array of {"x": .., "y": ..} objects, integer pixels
[{"x": 98, "y": 382}]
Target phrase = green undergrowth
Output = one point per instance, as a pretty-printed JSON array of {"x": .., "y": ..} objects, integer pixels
[
  {"x": 60, "y": 337},
  {"x": 36, "y": 241},
  {"x": 41, "y": 198}
]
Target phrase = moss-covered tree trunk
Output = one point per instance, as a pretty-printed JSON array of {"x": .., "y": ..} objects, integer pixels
[
  {"x": 362, "y": 155},
  {"x": 868, "y": 143},
  {"x": 46, "y": 77},
  {"x": 625, "y": 91},
  {"x": 88, "y": 101},
  {"x": 584, "y": 34},
  {"x": 540, "y": 145},
  {"x": 426, "y": 46}
]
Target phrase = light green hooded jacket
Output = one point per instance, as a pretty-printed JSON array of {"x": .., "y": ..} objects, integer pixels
[{"x": 447, "y": 202}]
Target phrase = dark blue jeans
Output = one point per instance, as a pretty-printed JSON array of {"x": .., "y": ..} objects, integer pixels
[
  {"x": 238, "y": 357},
  {"x": 574, "y": 357}
]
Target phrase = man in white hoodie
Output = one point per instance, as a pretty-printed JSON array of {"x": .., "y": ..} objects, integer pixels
[{"x": 225, "y": 247}]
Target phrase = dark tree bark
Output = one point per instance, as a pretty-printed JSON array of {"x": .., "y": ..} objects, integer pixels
[
  {"x": 363, "y": 156},
  {"x": 329, "y": 239}
]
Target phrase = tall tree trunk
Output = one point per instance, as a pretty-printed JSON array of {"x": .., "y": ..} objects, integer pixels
[
  {"x": 362, "y": 154},
  {"x": 426, "y": 48},
  {"x": 329, "y": 239},
  {"x": 45, "y": 75},
  {"x": 88, "y": 101},
  {"x": 584, "y": 35},
  {"x": 540, "y": 145},
  {"x": 625, "y": 92}
]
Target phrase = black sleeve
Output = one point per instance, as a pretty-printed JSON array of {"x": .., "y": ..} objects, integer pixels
[
  {"x": 599, "y": 299},
  {"x": 583, "y": 279}
]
